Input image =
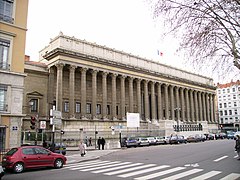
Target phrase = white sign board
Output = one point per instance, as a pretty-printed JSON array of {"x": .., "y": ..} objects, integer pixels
[
  {"x": 42, "y": 124},
  {"x": 133, "y": 120},
  {"x": 57, "y": 114},
  {"x": 57, "y": 121}
]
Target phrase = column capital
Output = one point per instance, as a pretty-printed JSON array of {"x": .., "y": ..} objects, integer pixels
[
  {"x": 72, "y": 67},
  {"x": 104, "y": 73},
  {"x": 59, "y": 65},
  {"x": 83, "y": 69},
  {"x": 130, "y": 78},
  {"x": 94, "y": 71},
  {"x": 114, "y": 75},
  {"x": 123, "y": 76}
]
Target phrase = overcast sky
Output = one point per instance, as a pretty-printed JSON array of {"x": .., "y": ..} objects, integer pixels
[{"x": 125, "y": 25}]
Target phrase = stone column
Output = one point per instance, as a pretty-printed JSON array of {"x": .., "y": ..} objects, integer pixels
[
  {"x": 187, "y": 105},
  {"x": 59, "y": 91},
  {"x": 207, "y": 108},
  {"x": 123, "y": 115},
  {"x": 130, "y": 80},
  {"x": 204, "y": 106},
  {"x": 139, "y": 103},
  {"x": 104, "y": 97},
  {"x": 182, "y": 104},
  {"x": 191, "y": 106},
  {"x": 172, "y": 103},
  {"x": 178, "y": 109},
  {"x": 153, "y": 101},
  {"x": 159, "y": 93},
  {"x": 83, "y": 92},
  {"x": 196, "y": 106},
  {"x": 51, "y": 88},
  {"x": 166, "y": 101},
  {"x": 214, "y": 107},
  {"x": 114, "y": 97},
  {"x": 146, "y": 103},
  {"x": 200, "y": 106},
  {"x": 94, "y": 94},
  {"x": 211, "y": 107},
  {"x": 72, "y": 91}
]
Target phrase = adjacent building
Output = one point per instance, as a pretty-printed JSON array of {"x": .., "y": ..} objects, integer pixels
[
  {"x": 13, "y": 27},
  {"x": 229, "y": 104},
  {"x": 94, "y": 87}
]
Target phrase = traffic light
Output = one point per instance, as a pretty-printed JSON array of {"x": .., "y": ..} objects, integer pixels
[{"x": 33, "y": 122}]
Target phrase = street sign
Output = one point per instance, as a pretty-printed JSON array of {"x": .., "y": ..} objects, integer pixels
[
  {"x": 42, "y": 124},
  {"x": 57, "y": 114},
  {"x": 57, "y": 121}
]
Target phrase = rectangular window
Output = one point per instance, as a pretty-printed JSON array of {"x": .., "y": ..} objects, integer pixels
[
  {"x": 34, "y": 105},
  {"x": 230, "y": 112},
  {"x": 220, "y": 105},
  {"x": 78, "y": 107},
  {"x": 4, "y": 51},
  {"x": 233, "y": 89},
  {"x": 88, "y": 108},
  {"x": 117, "y": 110},
  {"x": 228, "y": 90},
  {"x": 2, "y": 138},
  {"x": 3, "y": 98},
  {"x": 6, "y": 10},
  {"x": 235, "y": 104},
  {"x": 98, "y": 110},
  {"x": 225, "y": 105},
  {"x": 66, "y": 106},
  {"x": 108, "y": 109},
  {"x": 225, "y": 112},
  {"x": 234, "y": 97},
  {"x": 235, "y": 111}
]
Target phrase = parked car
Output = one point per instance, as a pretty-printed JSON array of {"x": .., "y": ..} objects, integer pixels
[
  {"x": 129, "y": 142},
  {"x": 152, "y": 140},
  {"x": 210, "y": 136},
  {"x": 1, "y": 172},
  {"x": 161, "y": 140},
  {"x": 58, "y": 148},
  {"x": 25, "y": 157},
  {"x": 230, "y": 135},
  {"x": 176, "y": 139},
  {"x": 220, "y": 135},
  {"x": 143, "y": 141},
  {"x": 194, "y": 138}
]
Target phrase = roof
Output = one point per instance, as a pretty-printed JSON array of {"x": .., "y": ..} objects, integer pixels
[{"x": 230, "y": 84}]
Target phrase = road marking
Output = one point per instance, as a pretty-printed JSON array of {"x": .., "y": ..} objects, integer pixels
[
  {"x": 95, "y": 165},
  {"x": 143, "y": 171},
  {"x": 221, "y": 158},
  {"x": 207, "y": 175},
  {"x": 71, "y": 161},
  {"x": 235, "y": 156},
  {"x": 193, "y": 165},
  {"x": 231, "y": 176},
  {"x": 130, "y": 169},
  {"x": 84, "y": 164},
  {"x": 151, "y": 176},
  {"x": 115, "y": 168},
  {"x": 101, "y": 167},
  {"x": 184, "y": 174}
]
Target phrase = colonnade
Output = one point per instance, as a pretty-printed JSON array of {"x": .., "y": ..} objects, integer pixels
[{"x": 154, "y": 100}]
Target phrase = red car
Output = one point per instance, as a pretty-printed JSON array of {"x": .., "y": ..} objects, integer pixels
[{"x": 25, "y": 157}]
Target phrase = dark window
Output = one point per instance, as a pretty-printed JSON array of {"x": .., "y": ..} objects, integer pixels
[
  {"x": 6, "y": 10},
  {"x": 41, "y": 151},
  {"x": 2, "y": 137},
  {"x": 12, "y": 151},
  {"x": 88, "y": 108},
  {"x": 117, "y": 110},
  {"x": 78, "y": 107},
  {"x": 3, "y": 98},
  {"x": 4, "y": 51},
  {"x": 66, "y": 106},
  {"x": 108, "y": 109},
  {"x": 34, "y": 105},
  {"x": 98, "y": 109}
]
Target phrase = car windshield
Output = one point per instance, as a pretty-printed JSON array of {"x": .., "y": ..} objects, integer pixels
[
  {"x": 12, "y": 151},
  {"x": 132, "y": 138}
]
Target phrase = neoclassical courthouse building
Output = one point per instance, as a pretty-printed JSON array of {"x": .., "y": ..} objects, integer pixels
[{"x": 95, "y": 87}]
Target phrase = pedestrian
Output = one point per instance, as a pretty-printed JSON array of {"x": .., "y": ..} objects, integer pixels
[
  {"x": 237, "y": 146},
  {"x": 103, "y": 143},
  {"x": 99, "y": 142},
  {"x": 82, "y": 149},
  {"x": 44, "y": 144},
  {"x": 90, "y": 141},
  {"x": 86, "y": 141}
]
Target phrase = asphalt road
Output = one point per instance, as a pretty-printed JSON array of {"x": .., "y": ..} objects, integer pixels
[{"x": 206, "y": 160}]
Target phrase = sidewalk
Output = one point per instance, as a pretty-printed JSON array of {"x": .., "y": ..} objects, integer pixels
[{"x": 91, "y": 154}]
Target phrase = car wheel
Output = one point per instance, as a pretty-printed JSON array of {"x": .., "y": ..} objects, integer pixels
[
  {"x": 18, "y": 167},
  {"x": 58, "y": 163},
  {"x": 64, "y": 153}
]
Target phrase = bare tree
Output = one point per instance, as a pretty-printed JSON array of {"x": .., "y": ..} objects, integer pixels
[{"x": 209, "y": 29}]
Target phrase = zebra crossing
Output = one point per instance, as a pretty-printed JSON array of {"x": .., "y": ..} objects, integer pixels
[{"x": 141, "y": 171}]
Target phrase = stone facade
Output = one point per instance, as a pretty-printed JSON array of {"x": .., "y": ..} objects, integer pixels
[{"x": 95, "y": 86}]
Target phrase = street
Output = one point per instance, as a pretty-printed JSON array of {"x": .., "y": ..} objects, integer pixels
[{"x": 205, "y": 160}]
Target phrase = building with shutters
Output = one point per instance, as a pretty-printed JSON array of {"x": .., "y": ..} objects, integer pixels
[{"x": 13, "y": 28}]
